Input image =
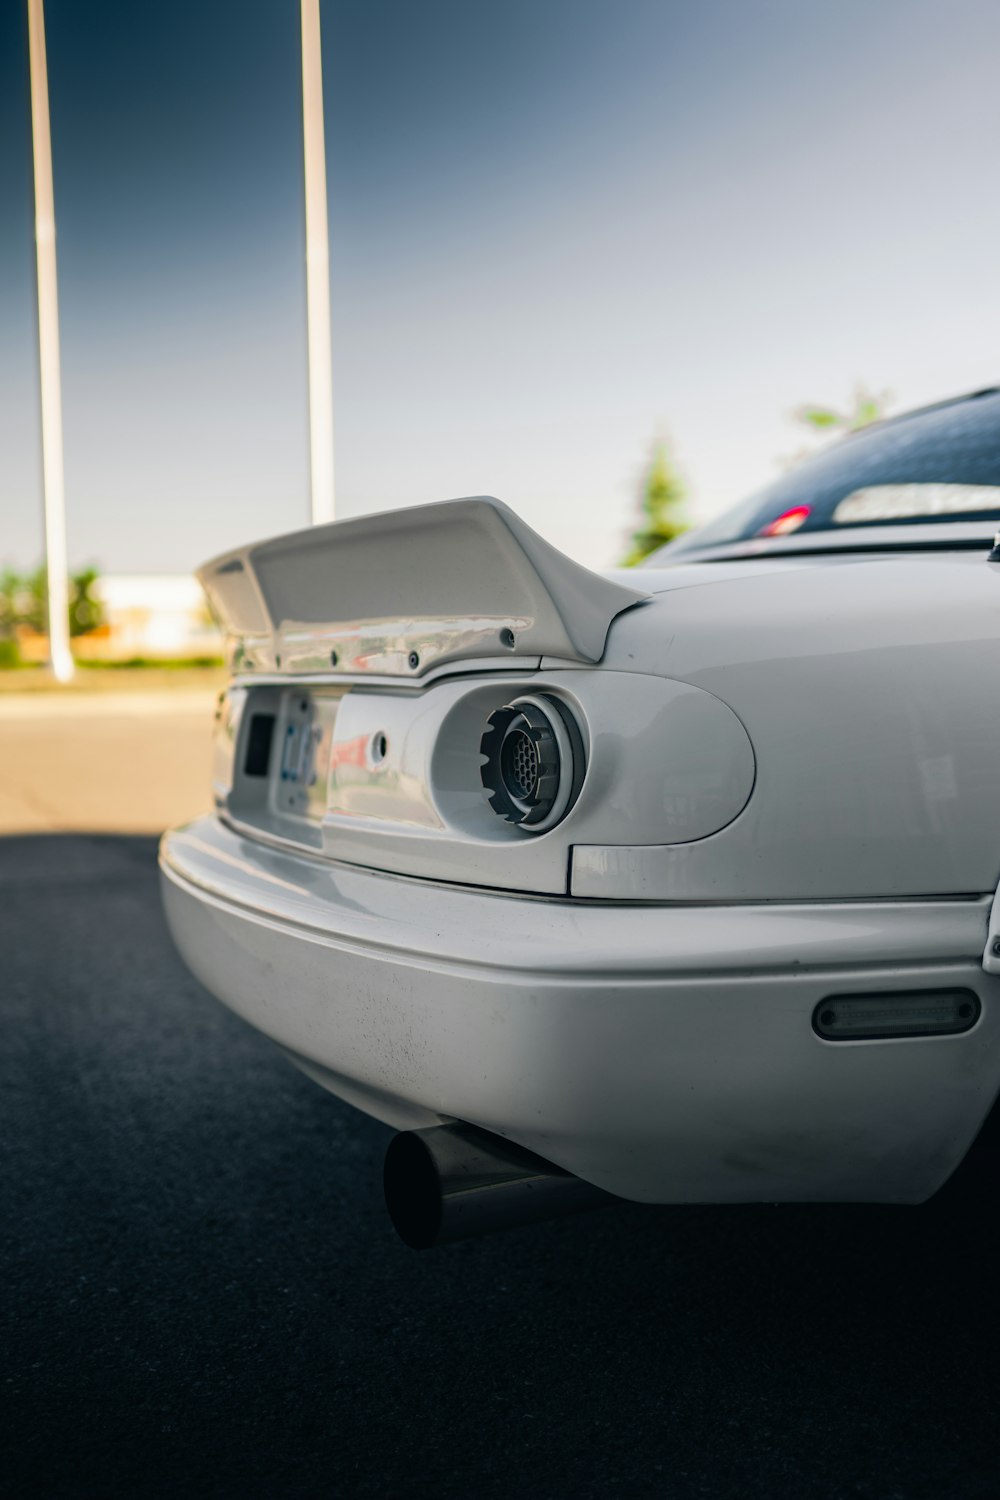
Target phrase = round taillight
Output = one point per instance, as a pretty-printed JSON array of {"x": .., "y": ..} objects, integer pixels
[{"x": 533, "y": 762}]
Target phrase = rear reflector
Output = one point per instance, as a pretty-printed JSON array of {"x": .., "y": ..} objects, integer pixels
[{"x": 850, "y": 1018}]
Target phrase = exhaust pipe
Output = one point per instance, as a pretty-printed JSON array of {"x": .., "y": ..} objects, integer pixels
[{"x": 454, "y": 1181}]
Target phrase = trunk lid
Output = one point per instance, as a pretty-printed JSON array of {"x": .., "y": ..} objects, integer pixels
[{"x": 407, "y": 592}]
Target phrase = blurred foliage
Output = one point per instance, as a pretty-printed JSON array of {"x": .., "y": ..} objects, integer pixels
[
  {"x": 85, "y": 609},
  {"x": 86, "y": 612},
  {"x": 24, "y": 604},
  {"x": 867, "y": 407},
  {"x": 158, "y": 663},
  {"x": 661, "y": 505}
]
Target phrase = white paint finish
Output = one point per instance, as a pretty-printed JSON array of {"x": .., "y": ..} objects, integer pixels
[
  {"x": 666, "y": 1055},
  {"x": 665, "y": 762},
  {"x": 663, "y": 1051},
  {"x": 394, "y": 791},
  {"x": 557, "y": 937},
  {"x": 858, "y": 679},
  {"x": 861, "y": 685},
  {"x": 441, "y": 581},
  {"x": 225, "y": 739}
]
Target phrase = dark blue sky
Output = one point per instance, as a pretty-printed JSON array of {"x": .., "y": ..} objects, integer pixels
[{"x": 557, "y": 229}]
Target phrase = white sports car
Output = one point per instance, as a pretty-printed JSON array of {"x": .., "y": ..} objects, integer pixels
[{"x": 674, "y": 885}]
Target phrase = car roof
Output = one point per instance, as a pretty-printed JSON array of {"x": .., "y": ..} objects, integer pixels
[{"x": 921, "y": 411}]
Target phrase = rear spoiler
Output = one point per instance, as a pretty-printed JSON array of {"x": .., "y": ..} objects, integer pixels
[{"x": 402, "y": 592}]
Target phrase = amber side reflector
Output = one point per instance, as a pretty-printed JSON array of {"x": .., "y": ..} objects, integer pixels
[{"x": 852, "y": 1018}]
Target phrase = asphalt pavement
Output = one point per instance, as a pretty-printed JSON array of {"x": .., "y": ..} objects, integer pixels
[{"x": 200, "y": 1294}]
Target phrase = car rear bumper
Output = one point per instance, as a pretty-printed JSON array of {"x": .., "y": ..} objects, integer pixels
[{"x": 666, "y": 1054}]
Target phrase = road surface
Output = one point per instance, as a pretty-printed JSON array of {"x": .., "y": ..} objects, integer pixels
[{"x": 201, "y": 1295}]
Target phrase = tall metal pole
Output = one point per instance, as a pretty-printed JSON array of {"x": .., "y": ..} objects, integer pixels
[
  {"x": 317, "y": 270},
  {"x": 60, "y": 657}
]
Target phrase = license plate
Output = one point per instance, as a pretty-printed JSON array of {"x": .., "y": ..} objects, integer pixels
[{"x": 301, "y": 765}]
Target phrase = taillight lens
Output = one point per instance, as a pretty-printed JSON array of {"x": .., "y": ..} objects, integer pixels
[{"x": 533, "y": 762}]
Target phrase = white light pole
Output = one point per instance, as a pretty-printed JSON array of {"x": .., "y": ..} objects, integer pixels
[
  {"x": 60, "y": 657},
  {"x": 317, "y": 271}
]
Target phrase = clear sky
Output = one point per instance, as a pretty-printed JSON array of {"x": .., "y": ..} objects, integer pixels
[{"x": 558, "y": 227}]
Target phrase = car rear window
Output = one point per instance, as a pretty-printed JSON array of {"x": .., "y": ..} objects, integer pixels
[{"x": 940, "y": 464}]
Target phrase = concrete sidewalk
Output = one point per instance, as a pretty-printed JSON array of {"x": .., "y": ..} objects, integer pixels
[
  {"x": 38, "y": 681},
  {"x": 133, "y": 761}
]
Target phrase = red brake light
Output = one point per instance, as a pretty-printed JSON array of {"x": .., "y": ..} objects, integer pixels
[{"x": 789, "y": 520}]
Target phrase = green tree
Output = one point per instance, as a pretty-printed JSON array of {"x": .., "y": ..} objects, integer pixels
[
  {"x": 86, "y": 611},
  {"x": 9, "y": 584},
  {"x": 24, "y": 601},
  {"x": 661, "y": 507}
]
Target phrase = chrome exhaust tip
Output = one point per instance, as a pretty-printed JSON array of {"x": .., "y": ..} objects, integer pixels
[{"x": 455, "y": 1181}]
